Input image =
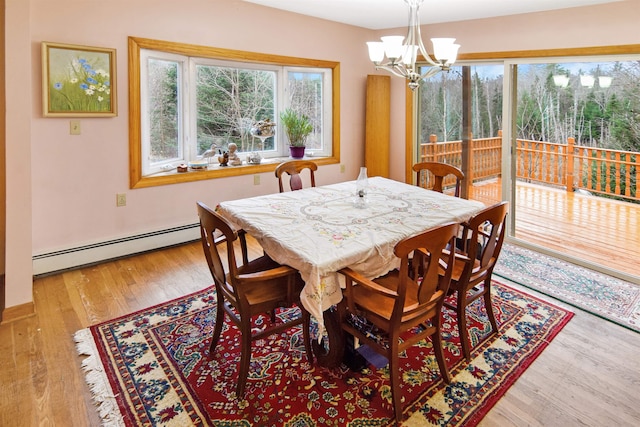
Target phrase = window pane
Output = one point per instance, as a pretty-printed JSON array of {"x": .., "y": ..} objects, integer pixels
[
  {"x": 163, "y": 110},
  {"x": 441, "y": 103},
  {"x": 441, "y": 106},
  {"x": 441, "y": 110},
  {"x": 305, "y": 96},
  {"x": 593, "y": 102},
  {"x": 229, "y": 101}
]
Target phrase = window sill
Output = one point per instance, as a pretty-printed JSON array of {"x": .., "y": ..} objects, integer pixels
[{"x": 214, "y": 170}]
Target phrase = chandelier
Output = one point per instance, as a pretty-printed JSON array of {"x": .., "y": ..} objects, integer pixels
[{"x": 402, "y": 52}]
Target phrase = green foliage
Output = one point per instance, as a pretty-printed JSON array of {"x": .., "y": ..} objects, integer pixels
[{"x": 296, "y": 126}]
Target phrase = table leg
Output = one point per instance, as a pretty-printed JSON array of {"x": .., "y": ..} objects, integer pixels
[{"x": 329, "y": 354}]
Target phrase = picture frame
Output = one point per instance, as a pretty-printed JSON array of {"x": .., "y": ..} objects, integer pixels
[{"x": 78, "y": 81}]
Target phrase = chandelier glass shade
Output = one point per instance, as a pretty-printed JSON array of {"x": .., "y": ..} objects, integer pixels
[
  {"x": 402, "y": 52},
  {"x": 586, "y": 80}
]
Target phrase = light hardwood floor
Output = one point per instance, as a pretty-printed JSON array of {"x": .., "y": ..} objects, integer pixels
[{"x": 588, "y": 376}]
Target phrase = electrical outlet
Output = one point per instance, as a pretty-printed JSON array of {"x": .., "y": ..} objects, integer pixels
[
  {"x": 256, "y": 179},
  {"x": 342, "y": 168},
  {"x": 74, "y": 127},
  {"x": 121, "y": 199}
]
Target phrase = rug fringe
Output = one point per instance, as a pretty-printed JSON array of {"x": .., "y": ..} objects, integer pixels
[{"x": 97, "y": 380}]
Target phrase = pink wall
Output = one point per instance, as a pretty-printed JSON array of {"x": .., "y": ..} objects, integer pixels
[
  {"x": 61, "y": 188},
  {"x": 18, "y": 154}
]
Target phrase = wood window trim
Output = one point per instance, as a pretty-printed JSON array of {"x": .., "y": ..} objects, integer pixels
[{"x": 137, "y": 180}]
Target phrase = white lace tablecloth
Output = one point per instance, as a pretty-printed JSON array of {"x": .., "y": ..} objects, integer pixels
[{"x": 319, "y": 231}]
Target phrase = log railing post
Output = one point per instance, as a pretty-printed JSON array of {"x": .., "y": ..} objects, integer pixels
[
  {"x": 571, "y": 141},
  {"x": 466, "y": 143},
  {"x": 433, "y": 139}
]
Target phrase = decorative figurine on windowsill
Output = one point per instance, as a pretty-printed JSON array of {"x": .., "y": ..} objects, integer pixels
[
  {"x": 210, "y": 153},
  {"x": 262, "y": 130},
  {"x": 223, "y": 158},
  {"x": 234, "y": 160}
]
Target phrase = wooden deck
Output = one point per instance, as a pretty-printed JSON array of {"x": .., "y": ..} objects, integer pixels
[{"x": 591, "y": 229}]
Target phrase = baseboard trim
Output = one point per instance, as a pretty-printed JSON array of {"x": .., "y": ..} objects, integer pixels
[
  {"x": 17, "y": 312},
  {"x": 56, "y": 261}
]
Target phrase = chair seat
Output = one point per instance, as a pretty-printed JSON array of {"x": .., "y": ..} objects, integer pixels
[
  {"x": 269, "y": 291},
  {"x": 261, "y": 263},
  {"x": 383, "y": 306},
  {"x": 458, "y": 270}
]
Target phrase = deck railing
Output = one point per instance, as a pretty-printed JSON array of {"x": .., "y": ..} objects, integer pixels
[{"x": 597, "y": 170}]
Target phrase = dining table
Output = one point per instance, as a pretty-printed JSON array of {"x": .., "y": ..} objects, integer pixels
[{"x": 321, "y": 230}]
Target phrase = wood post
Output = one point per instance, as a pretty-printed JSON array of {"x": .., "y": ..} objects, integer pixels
[
  {"x": 467, "y": 155},
  {"x": 377, "y": 125},
  {"x": 571, "y": 141}
]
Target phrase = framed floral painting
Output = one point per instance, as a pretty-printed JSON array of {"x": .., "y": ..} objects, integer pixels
[{"x": 78, "y": 81}]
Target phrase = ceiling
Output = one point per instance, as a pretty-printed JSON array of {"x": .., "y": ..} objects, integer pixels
[{"x": 382, "y": 14}]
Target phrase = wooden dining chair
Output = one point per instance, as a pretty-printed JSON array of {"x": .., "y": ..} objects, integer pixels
[
  {"x": 259, "y": 286},
  {"x": 403, "y": 303},
  {"x": 439, "y": 171},
  {"x": 293, "y": 169},
  {"x": 476, "y": 258}
]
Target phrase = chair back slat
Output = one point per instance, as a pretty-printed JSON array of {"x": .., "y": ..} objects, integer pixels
[
  {"x": 427, "y": 249},
  {"x": 439, "y": 175},
  {"x": 293, "y": 169},
  {"x": 487, "y": 235},
  {"x": 215, "y": 231}
]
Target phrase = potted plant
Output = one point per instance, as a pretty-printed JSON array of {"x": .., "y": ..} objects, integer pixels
[{"x": 297, "y": 127}]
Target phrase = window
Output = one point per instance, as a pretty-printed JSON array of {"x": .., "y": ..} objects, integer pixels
[{"x": 188, "y": 103}]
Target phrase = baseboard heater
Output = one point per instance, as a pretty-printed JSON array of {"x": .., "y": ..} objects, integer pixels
[{"x": 57, "y": 261}]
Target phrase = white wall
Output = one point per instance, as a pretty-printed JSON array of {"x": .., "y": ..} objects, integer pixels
[{"x": 61, "y": 188}]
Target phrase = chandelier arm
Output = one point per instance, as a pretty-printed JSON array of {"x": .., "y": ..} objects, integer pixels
[
  {"x": 432, "y": 71},
  {"x": 395, "y": 70}
]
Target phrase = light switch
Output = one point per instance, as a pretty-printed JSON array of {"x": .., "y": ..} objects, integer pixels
[{"x": 74, "y": 127}]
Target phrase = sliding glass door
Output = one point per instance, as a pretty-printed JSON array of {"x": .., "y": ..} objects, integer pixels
[{"x": 559, "y": 139}]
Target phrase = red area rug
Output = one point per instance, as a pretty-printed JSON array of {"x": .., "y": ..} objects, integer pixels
[{"x": 152, "y": 368}]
